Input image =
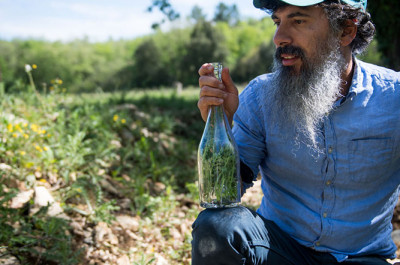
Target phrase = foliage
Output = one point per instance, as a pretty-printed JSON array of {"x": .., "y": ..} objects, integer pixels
[
  {"x": 166, "y": 8},
  {"x": 257, "y": 62},
  {"x": 159, "y": 59},
  {"x": 205, "y": 45},
  {"x": 149, "y": 69},
  {"x": 197, "y": 14},
  {"x": 74, "y": 143},
  {"x": 228, "y": 14},
  {"x": 385, "y": 14},
  {"x": 34, "y": 239},
  {"x": 219, "y": 175}
]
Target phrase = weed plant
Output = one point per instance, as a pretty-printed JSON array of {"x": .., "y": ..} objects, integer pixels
[
  {"x": 72, "y": 142},
  {"x": 219, "y": 170}
]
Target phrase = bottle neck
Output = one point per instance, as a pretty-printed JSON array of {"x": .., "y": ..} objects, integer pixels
[{"x": 216, "y": 115}]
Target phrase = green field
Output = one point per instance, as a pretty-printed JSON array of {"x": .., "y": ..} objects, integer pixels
[{"x": 101, "y": 156}]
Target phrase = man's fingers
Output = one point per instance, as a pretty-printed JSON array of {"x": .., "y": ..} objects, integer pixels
[
  {"x": 210, "y": 81},
  {"x": 228, "y": 82},
  {"x": 204, "y": 104},
  {"x": 207, "y": 91},
  {"x": 206, "y": 69}
]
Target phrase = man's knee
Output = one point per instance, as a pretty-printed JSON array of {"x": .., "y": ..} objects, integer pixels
[
  {"x": 222, "y": 222},
  {"x": 218, "y": 232}
]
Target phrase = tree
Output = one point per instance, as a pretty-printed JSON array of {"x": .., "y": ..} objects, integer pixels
[
  {"x": 165, "y": 8},
  {"x": 148, "y": 69},
  {"x": 385, "y": 14},
  {"x": 228, "y": 14},
  {"x": 197, "y": 14},
  {"x": 206, "y": 45},
  {"x": 256, "y": 62}
]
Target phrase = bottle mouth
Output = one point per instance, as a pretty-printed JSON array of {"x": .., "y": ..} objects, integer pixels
[{"x": 217, "y": 69}]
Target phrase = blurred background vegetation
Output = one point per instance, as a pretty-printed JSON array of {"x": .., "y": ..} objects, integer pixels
[{"x": 162, "y": 58}]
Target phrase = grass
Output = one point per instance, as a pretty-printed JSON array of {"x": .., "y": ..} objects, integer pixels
[{"x": 70, "y": 143}]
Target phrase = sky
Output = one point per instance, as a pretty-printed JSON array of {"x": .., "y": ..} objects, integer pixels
[{"x": 97, "y": 20}]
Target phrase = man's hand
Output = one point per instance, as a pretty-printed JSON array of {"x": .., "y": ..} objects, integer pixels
[{"x": 214, "y": 92}]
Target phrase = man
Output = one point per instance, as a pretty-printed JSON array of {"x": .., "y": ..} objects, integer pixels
[{"x": 323, "y": 130}]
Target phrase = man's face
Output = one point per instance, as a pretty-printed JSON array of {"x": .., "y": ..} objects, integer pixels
[
  {"x": 307, "y": 71},
  {"x": 298, "y": 32}
]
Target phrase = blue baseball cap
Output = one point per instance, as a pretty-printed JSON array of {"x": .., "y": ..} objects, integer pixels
[{"x": 265, "y": 3}]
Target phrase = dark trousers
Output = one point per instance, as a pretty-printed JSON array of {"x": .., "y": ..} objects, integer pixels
[{"x": 239, "y": 235}]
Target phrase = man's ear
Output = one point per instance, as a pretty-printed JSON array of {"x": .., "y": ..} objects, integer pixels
[{"x": 349, "y": 32}]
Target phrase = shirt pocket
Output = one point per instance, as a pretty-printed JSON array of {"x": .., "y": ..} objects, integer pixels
[{"x": 369, "y": 159}]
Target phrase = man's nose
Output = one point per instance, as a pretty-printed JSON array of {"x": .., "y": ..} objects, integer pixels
[{"x": 282, "y": 36}]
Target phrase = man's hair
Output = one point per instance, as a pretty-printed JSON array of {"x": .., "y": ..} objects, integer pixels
[{"x": 338, "y": 13}]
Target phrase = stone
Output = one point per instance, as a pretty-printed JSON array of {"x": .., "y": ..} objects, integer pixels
[
  {"x": 9, "y": 260},
  {"x": 125, "y": 203},
  {"x": 396, "y": 237},
  {"x": 21, "y": 199},
  {"x": 123, "y": 260},
  {"x": 43, "y": 198},
  {"x": 103, "y": 233},
  {"x": 128, "y": 222},
  {"x": 106, "y": 185}
]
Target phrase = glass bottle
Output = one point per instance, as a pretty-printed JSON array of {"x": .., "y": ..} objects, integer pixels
[{"x": 218, "y": 160}]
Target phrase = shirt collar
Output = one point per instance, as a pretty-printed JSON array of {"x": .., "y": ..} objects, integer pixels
[{"x": 355, "y": 88}]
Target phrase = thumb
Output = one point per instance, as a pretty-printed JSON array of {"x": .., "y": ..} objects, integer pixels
[{"x": 228, "y": 82}]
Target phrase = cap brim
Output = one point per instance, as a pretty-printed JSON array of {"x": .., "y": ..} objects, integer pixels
[
  {"x": 357, "y": 4},
  {"x": 302, "y": 2},
  {"x": 263, "y": 3}
]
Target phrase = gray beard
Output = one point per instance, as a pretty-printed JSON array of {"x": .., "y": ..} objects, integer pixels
[{"x": 300, "y": 102}]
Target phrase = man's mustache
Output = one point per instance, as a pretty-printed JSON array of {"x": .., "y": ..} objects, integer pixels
[{"x": 289, "y": 49}]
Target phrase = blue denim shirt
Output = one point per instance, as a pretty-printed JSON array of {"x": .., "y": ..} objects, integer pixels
[{"x": 341, "y": 201}]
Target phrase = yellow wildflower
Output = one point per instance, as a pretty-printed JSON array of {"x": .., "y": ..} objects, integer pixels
[
  {"x": 15, "y": 135},
  {"x": 35, "y": 127},
  {"x": 18, "y": 128},
  {"x": 51, "y": 88},
  {"x": 34, "y": 66},
  {"x": 25, "y": 125},
  {"x": 38, "y": 148},
  {"x": 42, "y": 180},
  {"x": 59, "y": 81},
  {"x": 123, "y": 121},
  {"x": 45, "y": 148},
  {"x": 26, "y": 136},
  {"x": 115, "y": 118},
  {"x": 10, "y": 127},
  {"x": 43, "y": 131},
  {"x": 29, "y": 164},
  {"x": 22, "y": 153}
]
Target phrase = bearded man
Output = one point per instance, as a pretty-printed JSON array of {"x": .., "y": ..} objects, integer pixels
[{"x": 323, "y": 131}]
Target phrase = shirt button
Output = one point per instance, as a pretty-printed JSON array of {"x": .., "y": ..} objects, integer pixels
[
  {"x": 328, "y": 182},
  {"x": 324, "y": 215},
  {"x": 330, "y": 149}
]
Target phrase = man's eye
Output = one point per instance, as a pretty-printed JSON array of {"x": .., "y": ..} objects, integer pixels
[{"x": 297, "y": 21}]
